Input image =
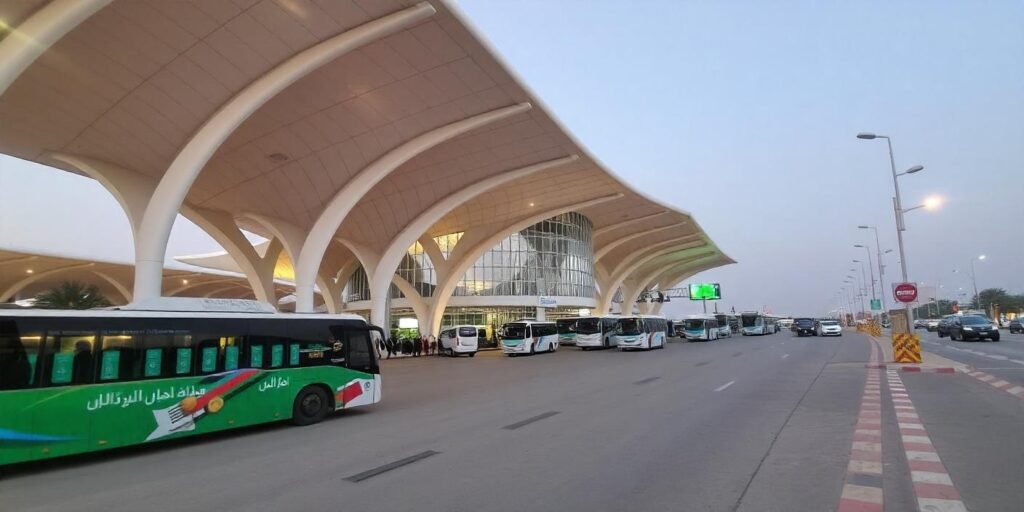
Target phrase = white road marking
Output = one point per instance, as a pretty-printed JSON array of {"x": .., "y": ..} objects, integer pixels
[
  {"x": 929, "y": 477},
  {"x": 785, "y": 356},
  {"x": 724, "y": 386},
  {"x": 926, "y": 456}
]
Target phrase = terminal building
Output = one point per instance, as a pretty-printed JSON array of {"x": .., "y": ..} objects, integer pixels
[{"x": 395, "y": 166}]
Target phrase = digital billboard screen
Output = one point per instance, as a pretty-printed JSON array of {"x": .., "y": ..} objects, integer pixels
[{"x": 705, "y": 291}]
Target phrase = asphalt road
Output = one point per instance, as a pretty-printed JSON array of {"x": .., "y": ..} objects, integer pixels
[
  {"x": 1004, "y": 359},
  {"x": 749, "y": 423}
]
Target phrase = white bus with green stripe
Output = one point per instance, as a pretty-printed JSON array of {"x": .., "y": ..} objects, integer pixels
[
  {"x": 528, "y": 337},
  {"x": 640, "y": 332}
]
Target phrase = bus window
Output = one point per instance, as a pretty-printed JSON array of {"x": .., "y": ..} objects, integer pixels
[
  {"x": 268, "y": 342},
  {"x": 360, "y": 353},
  {"x": 71, "y": 357},
  {"x": 19, "y": 353},
  {"x": 608, "y": 325},
  {"x": 167, "y": 354},
  {"x": 118, "y": 358}
]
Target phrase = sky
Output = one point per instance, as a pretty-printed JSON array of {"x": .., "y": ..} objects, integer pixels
[{"x": 743, "y": 114}]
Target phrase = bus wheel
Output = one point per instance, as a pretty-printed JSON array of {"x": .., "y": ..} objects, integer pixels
[{"x": 311, "y": 406}]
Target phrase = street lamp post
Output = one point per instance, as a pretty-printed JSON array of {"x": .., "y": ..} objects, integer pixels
[
  {"x": 974, "y": 281},
  {"x": 881, "y": 267},
  {"x": 871, "y": 270},
  {"x": 898, "y": 207}
]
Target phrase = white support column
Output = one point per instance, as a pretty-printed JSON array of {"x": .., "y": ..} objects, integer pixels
[
  {"x": 132, "y": 190},
  {"x": 433, "y": 252},
  {"x": 26, "y": 42},
  {"x": 471, "y": 247},
  {"x": 415, "y": 300},
  {"x": 170, "y": 193},
  {"x": 344, "y": 200},
  {"x": 222, "y": 228},
  {"x": 20, "y": 285},
  {"x": 395, "y": 251},
  {"x": 292, "y": 237}
]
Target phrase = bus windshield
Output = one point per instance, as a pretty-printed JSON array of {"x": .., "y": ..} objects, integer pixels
[
  {"x": 514, "y": 331},
  {"x": 588, "y": 326},
  {"x": 695, "y": 323},
  {"x": 566, "y": 326},
  {"x": 750, "y": 320},
  {"x": 630, "y": 326}
]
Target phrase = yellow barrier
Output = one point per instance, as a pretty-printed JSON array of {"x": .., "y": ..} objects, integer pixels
[{"x": 906, "y": 348}]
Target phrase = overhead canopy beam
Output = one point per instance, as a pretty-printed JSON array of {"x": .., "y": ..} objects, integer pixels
[
  {"x": 163, "y": 206},
  {"x": 26, "y": 42},
  {"x": 341, "y": 204}
]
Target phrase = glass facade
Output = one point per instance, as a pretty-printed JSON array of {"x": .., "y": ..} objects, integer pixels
[{"x": 552, "y": 257}]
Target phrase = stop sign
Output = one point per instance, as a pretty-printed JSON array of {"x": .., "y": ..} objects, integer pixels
[{"x": 905, "y": 292}]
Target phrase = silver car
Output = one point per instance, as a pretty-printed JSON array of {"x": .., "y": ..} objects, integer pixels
[{"x": 829, "y": 328}]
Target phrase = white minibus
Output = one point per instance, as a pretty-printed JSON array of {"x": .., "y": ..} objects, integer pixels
[
  {"x": 528, "y": 337},
  {"x": 640, "y": 332}
]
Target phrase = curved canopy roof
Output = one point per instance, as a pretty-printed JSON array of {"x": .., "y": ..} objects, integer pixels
[{"x": 130, "y": 84}]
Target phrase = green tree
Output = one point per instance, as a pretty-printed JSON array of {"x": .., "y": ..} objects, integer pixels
[
  {"x": 989, "y": 296},
  {"x": 934, "y": 309},
  {"x": 72, "y": 295}
]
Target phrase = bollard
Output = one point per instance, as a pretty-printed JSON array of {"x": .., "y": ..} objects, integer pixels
[{"x": 906, "y": 348}]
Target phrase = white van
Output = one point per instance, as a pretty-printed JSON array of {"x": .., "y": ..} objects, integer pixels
[
  {"x": 528, "y": 337},
  {"x": 460, "y": 339}
]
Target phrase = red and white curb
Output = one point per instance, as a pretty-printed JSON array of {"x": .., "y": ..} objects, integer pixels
[
  {"x": 862, "y": 487},
  {"x": 933, "y": 486},
  {"x": 918, "y": 369},
  {"x": 996, "y": 382}
]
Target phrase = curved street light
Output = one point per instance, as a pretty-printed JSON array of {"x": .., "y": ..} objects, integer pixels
[{"x": 898, "y": 208}]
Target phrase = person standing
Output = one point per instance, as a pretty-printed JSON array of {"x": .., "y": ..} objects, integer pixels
[{"x": 417, "y": 347}]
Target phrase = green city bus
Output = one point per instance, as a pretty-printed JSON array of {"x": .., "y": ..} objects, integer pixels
[{"x": 82, "y": 381}]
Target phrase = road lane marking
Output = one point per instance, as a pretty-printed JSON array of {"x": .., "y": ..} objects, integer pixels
[
  {"x": 725, "y": 386},
  {"x": 365, "y": 475},
  {"x": 923, "y": 456},
  {"x": 934, "y": 490},
  {"x": 785, "y": 356},
  {"x": 648, "y": 379},
  {"x": 941, "y": 505},
  {"x": 928, "y": 477},
  {"x": 532, "y": 419}
]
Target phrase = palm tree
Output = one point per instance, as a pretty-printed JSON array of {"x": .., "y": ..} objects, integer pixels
[{"x": 72, "y": 295}]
